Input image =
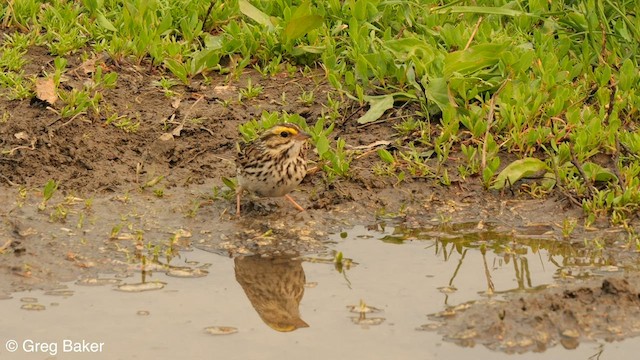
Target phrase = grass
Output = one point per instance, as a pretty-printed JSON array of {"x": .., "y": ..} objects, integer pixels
[{"x": 553, "y": 84}]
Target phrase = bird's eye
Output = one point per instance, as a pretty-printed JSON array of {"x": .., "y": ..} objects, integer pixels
[{"x": 284, "y": 134}]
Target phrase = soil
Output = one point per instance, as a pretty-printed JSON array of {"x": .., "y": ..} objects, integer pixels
[
  {"x": 184, "y": 148},
  {"x": 606, "y": 309}
]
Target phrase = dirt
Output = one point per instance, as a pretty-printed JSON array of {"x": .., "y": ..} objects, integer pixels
[
  {"x": 111, "y": 178},
  {"x": 606, "y": 309}
]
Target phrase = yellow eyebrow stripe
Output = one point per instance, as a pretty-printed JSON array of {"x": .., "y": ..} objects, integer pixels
[{"x": 280, "y": 129}]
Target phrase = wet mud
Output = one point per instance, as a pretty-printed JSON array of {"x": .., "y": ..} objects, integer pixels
[{"x": 129, "y": 202}]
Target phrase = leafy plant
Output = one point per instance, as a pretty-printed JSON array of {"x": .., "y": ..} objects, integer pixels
[
  {"x": 251, "y": 91},
  {"x": 47, "y": 193}
]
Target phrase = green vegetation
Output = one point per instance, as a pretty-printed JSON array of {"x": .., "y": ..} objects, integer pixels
[
  {"x": 250, "y": 92},
  {"x": 49, "y": 189},
  {"x": 554, "y": 84}
]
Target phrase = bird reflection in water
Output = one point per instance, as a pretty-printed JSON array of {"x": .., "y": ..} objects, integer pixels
[{"x": 275, "y": 286}]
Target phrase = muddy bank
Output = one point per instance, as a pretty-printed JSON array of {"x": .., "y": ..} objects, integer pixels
[
  {"x": 606, "y": 309},
  {"x": 74, "y": 236}
]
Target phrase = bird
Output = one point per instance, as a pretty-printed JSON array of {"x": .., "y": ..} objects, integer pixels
[
  {"x": 272, "y": 165},
  {"x": 275, "y": 287}
]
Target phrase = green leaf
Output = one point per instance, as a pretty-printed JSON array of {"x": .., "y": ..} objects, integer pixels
[
  {"x": 436, "y": 91},
  {"x": 386, "y": 156},
  {"x": 178, "y": 69},
  {"x": 255, "y": 14},
  {"x": 472, "y": 59},
  {"x": 377, "y": 106},
  {"x": 405, "y": 48},
  {"x": 517, "y": 170},
  {"x": 489, "y": 10},
  {"x": 303, "y": 49},
  {"x": 49, "y": 189},
  {"x": 212, "y": 42},
  {"x": 105, "y": 23},
  {"x": 322, "y": 145},
  {"x": 597, "y": 173},
  {"x": 628, "y": 76},
  {"x": 487, "y": 174},
  {"x": 300, "y": 26},
  {"x": 548, "y": 181},
  {"x": 230, "y": 183}
]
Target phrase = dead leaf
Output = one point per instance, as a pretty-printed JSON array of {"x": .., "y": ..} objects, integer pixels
[
  {"x": 177, "y": 130},
  {"x": 228, "y": 90},
  {"x": 85, "y": 264},
  {"x": 27, "y": 232},
  {"x": 46, "y": 90},
  {"x": 5, "y": 246},
  {"x": 176, "y": 103},
  {"x": 22, "y": 136},
  {"x": 370, "y": 146},
  {"x": 89, "y": 66},
  {"x": 166, "y": 137}
]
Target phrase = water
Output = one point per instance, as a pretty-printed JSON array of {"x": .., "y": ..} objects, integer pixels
[{"x": 372, "y": 305}]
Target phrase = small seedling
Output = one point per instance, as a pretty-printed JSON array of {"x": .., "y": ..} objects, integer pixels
[
  {"x": 250, "y": 91},
  {"x": 123, "y": 123},
  {"x": 306, "y": 98},
  {"x": 59, "y": 213},
  {"x": 568, "y": 226},
  {"x": 81, "y": 219},
  {"x": 152, "y": 182},
  {"x": 165, "y": 84},
  {"x": 115, "y": 231},
  {"x": 193, "y": 210},
  {"x": 49, "y": 189}
]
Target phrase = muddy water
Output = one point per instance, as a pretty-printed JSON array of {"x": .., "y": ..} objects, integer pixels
[{"x": 388, "y": 287}]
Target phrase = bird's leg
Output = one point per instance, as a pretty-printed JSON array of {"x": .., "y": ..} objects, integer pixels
[{"x": 294, "y": 202}]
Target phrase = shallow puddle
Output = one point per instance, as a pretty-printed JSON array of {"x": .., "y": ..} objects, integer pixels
[{"x": 377, "y": 293}]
